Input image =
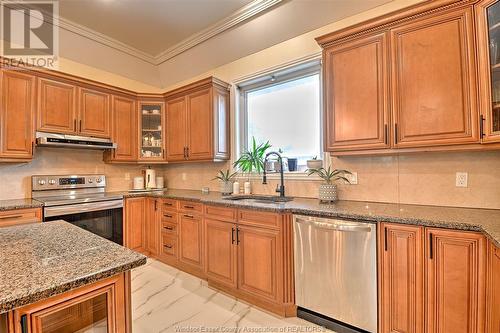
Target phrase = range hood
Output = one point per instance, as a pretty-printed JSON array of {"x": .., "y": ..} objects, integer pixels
[{"x": 63, "y": 140}]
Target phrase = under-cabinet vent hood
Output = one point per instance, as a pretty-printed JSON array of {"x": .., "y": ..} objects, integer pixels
[{"x": 62, "y": 140}]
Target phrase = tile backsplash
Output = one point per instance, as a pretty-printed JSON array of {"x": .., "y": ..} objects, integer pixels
[{"x": 421, "y": 178}]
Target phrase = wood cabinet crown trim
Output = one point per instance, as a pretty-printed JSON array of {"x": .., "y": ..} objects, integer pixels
[{"x": 389, "y": 20}]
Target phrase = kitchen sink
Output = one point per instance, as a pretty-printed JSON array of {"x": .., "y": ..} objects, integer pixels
[{"x": 259, "y": 198}]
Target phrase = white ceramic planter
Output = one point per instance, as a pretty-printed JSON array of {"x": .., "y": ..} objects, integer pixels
[
  {"x": 226, "y": 187},
  {"x": 314, "y": 164},
  {"x": 328, "y": 193}
]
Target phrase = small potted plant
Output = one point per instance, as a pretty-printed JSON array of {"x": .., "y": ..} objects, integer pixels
[
  {"x": 314, "y": 163},
  {"x": 226, "y": 185},
  {"x": 252, "y": 160},
  {"x": 328, "y": 191}
]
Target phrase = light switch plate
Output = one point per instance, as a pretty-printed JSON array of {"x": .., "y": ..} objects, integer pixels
[
  {"x": 127, "y": 176},
  {"x": 353, "y": 178},
  {"x": 461, "y": 179}
]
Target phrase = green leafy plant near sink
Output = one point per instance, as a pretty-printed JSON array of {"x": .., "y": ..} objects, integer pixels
[
  {"x": 252, "y": 160},
  {"x": 226, "y": 178},
  {"x": 328, "y": 191}
]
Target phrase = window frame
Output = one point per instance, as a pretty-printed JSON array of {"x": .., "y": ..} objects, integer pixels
[{"x": 270, "y": 79}]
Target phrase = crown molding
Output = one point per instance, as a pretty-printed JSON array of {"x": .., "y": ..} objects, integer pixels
[{"x": 252, "y": 9}]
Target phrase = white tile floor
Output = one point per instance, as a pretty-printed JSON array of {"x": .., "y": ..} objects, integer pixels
[{"x": 165, "y": 299}]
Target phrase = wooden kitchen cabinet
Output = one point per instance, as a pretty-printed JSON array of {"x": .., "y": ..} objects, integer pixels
[
  {"x": 487, "y": 13},
  {"x": 17, "y": 107},
  {"x": 455, "y": 266},
  {"x": 191, "y": 254},
  {"x": 124, "y": 130},
  {"x": 434, "y": 81},
  {"x": 493, "y": 290},
  {"x": 356, "y": 94},
  {"x": 151, "y": 131},
  {"x": 221, "y": 252},
  {"x": 259, "y": 258},
  {"x": 152, "y": 226},
  {"x": 134, "y": 223},
  {"x": 401, "y": 278},
  {"x": 197, "y": 118},
  {"x": 56, "y": 110},
  {"x": 94, "y": 113},
  {"x": 99, "y": 306},
  {"x": 20, "y": 216}
]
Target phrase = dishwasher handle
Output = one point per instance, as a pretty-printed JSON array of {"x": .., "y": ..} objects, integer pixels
[{"x": 336, "y": 226}]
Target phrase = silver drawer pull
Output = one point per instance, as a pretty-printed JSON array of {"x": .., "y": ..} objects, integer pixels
[{"x": 169, "y": 228}]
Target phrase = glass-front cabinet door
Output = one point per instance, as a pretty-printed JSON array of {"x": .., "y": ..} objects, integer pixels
[
  {"x": 151, "y": 131},
  {"x": 488, "y": 28}
]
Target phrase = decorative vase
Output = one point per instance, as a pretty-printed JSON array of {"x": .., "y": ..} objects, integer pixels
[
  {"x": 314, "y": 164},
  {"x": 226, "y": 188},
  {"x": 328, "y": 193}
]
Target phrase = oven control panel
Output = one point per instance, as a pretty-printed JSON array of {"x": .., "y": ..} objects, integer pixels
[{"x": 47, "y": 182}]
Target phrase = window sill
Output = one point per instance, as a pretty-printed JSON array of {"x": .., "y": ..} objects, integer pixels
[{"x": 289, "y": 175}]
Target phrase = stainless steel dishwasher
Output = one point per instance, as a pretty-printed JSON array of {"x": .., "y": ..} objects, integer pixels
[{"x": 336, "y": 273}]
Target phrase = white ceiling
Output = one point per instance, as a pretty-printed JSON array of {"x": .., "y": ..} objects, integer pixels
[{"x": 151, "y": 26}]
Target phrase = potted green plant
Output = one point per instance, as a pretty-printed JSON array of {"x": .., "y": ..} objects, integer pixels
[
  {"x": 328, "y": 191},
  {"x": 314, "y": 163},
  {"x": 252, "y": 160},
  {"x": 226, "y": 186}
]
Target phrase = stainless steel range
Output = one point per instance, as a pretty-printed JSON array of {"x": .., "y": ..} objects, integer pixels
[{"x": 81, "y": 200}]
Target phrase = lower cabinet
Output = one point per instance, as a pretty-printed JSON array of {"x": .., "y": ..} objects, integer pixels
[
  {"x": 221, "y": 252},
  {"x": 152, "y": 226},
  {"x": 191, "y": 242},
  {"x": 493, "y": 287},
  {"x": 20, "y": 216},
  {"x": 134, "y": 223},
  {"x": 101, "y": 306},
  {"x": 431, "y": 280}
]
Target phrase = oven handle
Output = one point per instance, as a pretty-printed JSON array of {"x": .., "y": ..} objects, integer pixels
[{"x": 82, "y": 208}]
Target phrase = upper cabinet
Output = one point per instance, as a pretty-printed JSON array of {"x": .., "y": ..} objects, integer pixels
[
  {"x": 67, "y": 109},
  {"x": 488, "y": 36},
  {"x": 16, "y": 115},
  {"x": 124, "y": 130},
  {"x": 197, "y": 118},
  {"x": 151, "y": 129},
  {"x": 433, "y": 81},
  {"x": 56, "y": 109},
  {"x": 355, "y": 94},
  {"x": 404, "y": 82},
  {"x": 94, "y": 113}
]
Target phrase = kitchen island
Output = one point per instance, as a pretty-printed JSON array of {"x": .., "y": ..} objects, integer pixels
[{"x": 56, "y": 276}]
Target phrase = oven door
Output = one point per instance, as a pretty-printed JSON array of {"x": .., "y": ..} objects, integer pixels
[{"x": 104, "y": 218}]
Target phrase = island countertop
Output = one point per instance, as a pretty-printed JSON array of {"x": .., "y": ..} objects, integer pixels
[{"x": 41, "y": 260}]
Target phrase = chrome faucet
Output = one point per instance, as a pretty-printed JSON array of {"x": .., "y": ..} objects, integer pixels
[{"x": 281, "y": 188}]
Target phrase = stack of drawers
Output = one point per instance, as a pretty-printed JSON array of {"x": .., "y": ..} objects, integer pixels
[{"x": 169, "y": 235}]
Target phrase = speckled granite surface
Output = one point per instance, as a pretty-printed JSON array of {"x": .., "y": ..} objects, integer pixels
[
  {"x": 482, "y": 220},
  {"x": 19, "y": 203},
  {"x": 41, "y": 260}
]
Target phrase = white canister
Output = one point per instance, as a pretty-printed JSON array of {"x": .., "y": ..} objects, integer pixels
[
  {"x": 160, "y": 183},
  {"x": 138, "y": 183},
  {"x": 236, "y": 188},
  {"x": 247, "y": 188}
]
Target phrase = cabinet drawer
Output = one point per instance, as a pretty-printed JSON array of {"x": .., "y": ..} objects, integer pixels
[
  {"x": 169, "y": 245},
  {"x": 20, "y": 216},
  {"x": 221, "y": 213},
  {"x": 189, "y": 206},
  {"x": 168, "y": 216},
  {"x": 169, "y": 228},
  {"x": 169, "y": 205},
  {"x": 257, "y": 218}
]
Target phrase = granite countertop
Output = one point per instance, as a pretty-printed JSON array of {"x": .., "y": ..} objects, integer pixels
[
  {"x": 471, "y": 219},
  {"x": 41, "y": 260},
  {"x": 19, "y": 204}
]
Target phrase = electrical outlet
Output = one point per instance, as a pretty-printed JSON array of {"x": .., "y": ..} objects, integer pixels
[
  {"x": 184, "y": 176},
  {"x": 461, "y": 179},
  {"x": 353, "y": 178},
  {"x": 127, "y": 176}
]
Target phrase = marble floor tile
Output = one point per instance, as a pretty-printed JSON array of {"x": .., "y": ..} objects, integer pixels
[{"x": 165, "y": 299}]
